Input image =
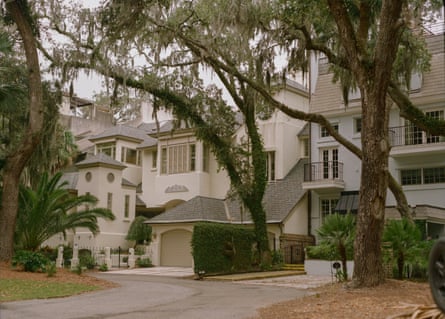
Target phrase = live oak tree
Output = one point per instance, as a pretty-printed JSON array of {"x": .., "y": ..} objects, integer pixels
[
  {"x": 183, "y": 92},
  {"x": 367, "y": 43},
  {"x": 16, "y": 160}
]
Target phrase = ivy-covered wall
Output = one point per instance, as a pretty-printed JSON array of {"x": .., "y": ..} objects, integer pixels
[{"x": 222, "y": 248}]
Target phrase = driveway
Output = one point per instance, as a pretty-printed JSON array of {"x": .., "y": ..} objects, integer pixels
[{"x": 160, "y": 297}]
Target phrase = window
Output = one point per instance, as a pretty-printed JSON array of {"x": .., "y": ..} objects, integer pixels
[
  {"x": 109, "y": 200},
  {"x": 430, "y": 175},
  {"x": 434, "y": 175},
  {"x": 357, "y": 125},
  {"x": 270, "y": 165},
  {"x": 329, "y": 158},
  {"x": 164, "y": 160},
  {"x": 327, "y": 206},
  {"x": 206, "y": 158},
  {"x": 324, "y": 132},
  {"x": 154, "y": 159},
  {"x": 130, "y": 156},
  {"x": 414, "y": 135},
  {"x": 438, "y": 115},
  {"x": 107, "y": 148},
  {"x": 178, "y": 159},
  {"x": 192, "y": 156},
  {"x": 127, "y": 206},
  {"x": 305, "y": 142},
  {"x": 411, "y": 176}
]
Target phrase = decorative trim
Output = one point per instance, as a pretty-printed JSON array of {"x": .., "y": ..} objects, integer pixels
[{"x": 176, "y": 189}]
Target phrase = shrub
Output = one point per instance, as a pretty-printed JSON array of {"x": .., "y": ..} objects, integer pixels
[
  {"x": 88, "y": 262},
  {"x": 31, "y": 261},
  {"x": 51, "y": 269},
  {"x": 78, "y": 269},
  {"x": 219, "y": 248},
  {"x": 277, "y": 257},
  {"x": 49, "y": 252},
  {"x": 144, "y": 262},
  {"x": 322, "y": 251},
  {"x": 103, "y": 267}
]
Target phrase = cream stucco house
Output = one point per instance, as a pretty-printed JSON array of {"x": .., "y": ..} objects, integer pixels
[{"x": 167, "y": 174}]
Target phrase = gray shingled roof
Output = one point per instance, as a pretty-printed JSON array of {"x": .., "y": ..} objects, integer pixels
[
  {"x": 148, "y": 142},
  {"x": 140, "y": 202},
  {"x": 151, "y": 128},
  {"x": 122, "y": 131},
  {"x": 196, "y": 209},
  {"x": 126, "y": 182},
  {"x": 305, "y": 130},
  {"x": 279, "y": 199},
  {"x": 71, "y": 178},
  {"x": 99, "y": 159}
]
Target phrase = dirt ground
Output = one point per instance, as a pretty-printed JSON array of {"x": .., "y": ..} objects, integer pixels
[
  {"x": 394, "y": 299},
  {"x": 62, "y": 275}
]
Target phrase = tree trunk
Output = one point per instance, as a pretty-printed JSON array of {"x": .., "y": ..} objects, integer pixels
[
  {"x": 400, "y": 264},
  {"x": 259, "y": 219},
  {"x": 16, "y": 161},
  {"x": 344, "y": 261},
  {"x": 368, "y": 266}
]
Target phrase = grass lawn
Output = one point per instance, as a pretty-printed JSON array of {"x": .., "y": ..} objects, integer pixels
[{"x": 22, "y": 289}]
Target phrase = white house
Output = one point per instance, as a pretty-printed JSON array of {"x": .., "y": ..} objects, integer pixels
[{"x": 167, "y": 174}]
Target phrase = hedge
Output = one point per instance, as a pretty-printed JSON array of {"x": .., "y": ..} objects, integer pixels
[{"x": 222, "y": 248}]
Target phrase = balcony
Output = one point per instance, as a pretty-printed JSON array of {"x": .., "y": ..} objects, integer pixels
[
  {"x": 323, "y": 176},
  {"x": 409, "y": 140}
]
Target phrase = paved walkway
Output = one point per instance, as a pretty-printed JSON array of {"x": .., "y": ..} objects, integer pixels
[
  {"x": 175, "y": 272},
  {"x": 283, "y": 278}
]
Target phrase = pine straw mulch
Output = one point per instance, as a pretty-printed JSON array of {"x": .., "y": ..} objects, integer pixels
[
  {"x": 393, "y": 300},
  {"x": 62, "y": 275}
]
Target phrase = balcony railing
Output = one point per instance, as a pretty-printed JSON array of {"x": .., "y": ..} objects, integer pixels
[
  {"x": 319, "y": 171},
  {"x": 411, "y": 135}
]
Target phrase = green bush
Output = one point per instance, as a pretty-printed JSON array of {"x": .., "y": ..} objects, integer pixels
[
  {"x": 50, "y": 269},
  {"x": 78, "y": 269},
  {"x": 144, "y": 262},
  {"x": 86, "y": 259},
  {"x": 277, "y": 257},
  {"x": 49, "y": 252},
  {"x": 103, "y": 267},
  {"x": 417, "y": 258},
  {"x": 220, "y": 248},
  {"x": 327, "y": 252},
  {"x": 31, "y": 261}
]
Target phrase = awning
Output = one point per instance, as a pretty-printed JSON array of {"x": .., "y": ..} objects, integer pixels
[{"x": 348, "y": 202}]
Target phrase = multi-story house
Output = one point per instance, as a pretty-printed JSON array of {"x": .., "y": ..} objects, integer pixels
[
  {"x": 417, "y": 159},
  {"x": 167, "y": 174}
]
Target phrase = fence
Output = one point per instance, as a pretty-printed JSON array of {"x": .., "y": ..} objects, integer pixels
[{"x": 98, "y": 256}]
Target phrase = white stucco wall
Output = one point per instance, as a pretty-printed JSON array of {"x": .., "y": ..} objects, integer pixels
[
  {"x": 112, "y": 233},
  {"x": 297, "y": 221}
]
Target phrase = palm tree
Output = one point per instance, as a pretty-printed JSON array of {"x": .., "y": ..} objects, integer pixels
[
  {"x": 48, "y": 211},
  {"x": 401, "y": 235},
  {"x": 139, "y": 231},
  {"x": 339, "y": 231}
]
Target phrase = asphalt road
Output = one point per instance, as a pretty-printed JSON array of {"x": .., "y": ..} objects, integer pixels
[{"x": 156, "y": 297}]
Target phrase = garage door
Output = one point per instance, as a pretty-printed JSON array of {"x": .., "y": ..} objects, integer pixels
[{"x": 176, "y": 248}]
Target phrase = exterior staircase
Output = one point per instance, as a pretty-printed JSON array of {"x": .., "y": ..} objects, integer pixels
[{"x": 294, "y": 267}]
